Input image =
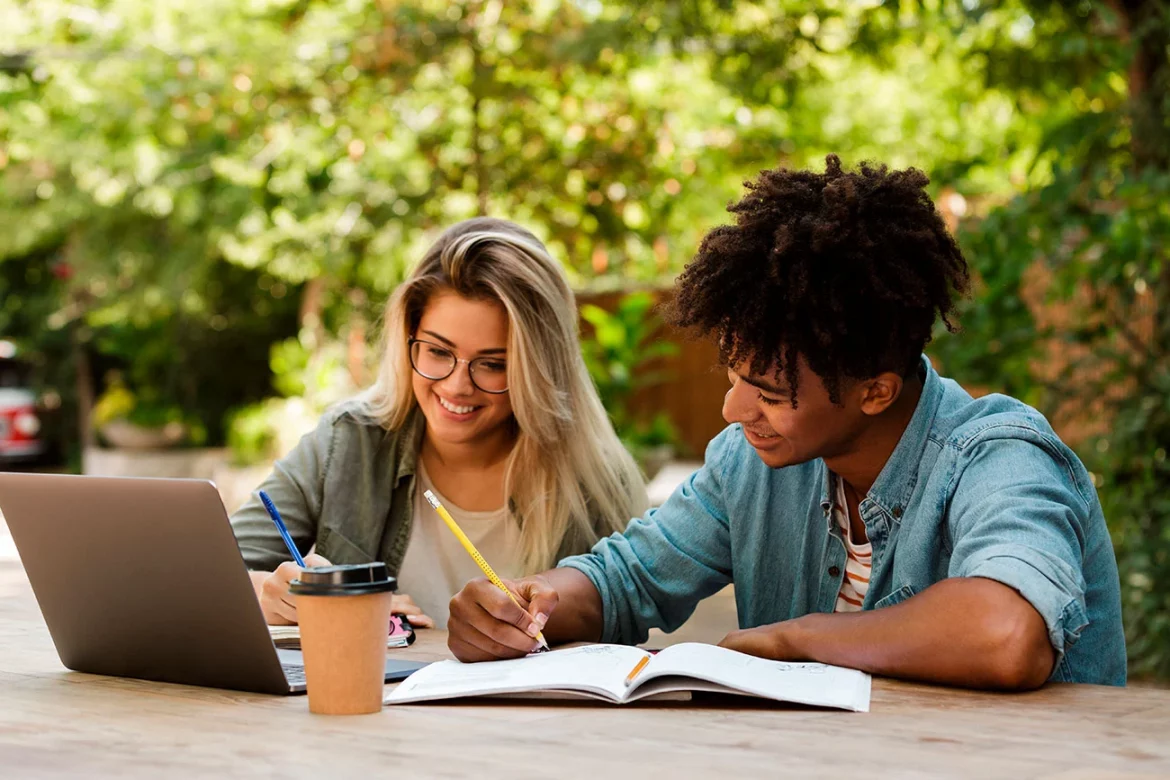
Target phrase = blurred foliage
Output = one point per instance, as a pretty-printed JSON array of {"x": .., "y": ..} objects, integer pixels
[
  {"x": 119, "y": 402},
  {"x": 116, "y": 403},
  {"x": 1073, "y": 308},
  {"x": 621, "y": 353},
  {"x": 184, "y": 185},
  {"x": 310, "y": 377},
  {"x": 194, "y": 175}
]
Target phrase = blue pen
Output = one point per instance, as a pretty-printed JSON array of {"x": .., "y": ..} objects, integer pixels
[{"x": 292, "y": 548}]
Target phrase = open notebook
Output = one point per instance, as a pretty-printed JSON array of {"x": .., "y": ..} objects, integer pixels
[
  {"x": 600, "y": 671},
  {"x": 289, "y": 638}
]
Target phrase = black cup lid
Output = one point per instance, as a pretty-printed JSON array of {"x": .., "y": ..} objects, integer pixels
[{"x": 352, "y": 580}]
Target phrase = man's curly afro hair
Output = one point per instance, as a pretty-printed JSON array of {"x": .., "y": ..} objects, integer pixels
[{"x": 847, "y": 268}]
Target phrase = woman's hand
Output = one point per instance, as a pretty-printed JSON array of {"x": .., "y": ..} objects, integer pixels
[
  {"x": 277, "y": 604},
  {"x": 404, "y": 604},
  {"x": 280, "y": 607}
]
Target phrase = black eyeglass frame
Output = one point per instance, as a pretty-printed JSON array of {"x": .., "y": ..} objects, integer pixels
[{"x": 470, "y": 364}]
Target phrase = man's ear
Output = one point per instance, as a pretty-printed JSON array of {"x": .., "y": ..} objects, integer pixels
[{"x": 879, "y": 393}]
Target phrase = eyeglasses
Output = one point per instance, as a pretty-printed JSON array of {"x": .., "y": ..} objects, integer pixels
[{"x": 434, "y": 361}]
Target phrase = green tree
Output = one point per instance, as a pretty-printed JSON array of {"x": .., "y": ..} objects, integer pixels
[
  {"x": 152, "y": 147},
  {"x": 1053, "y": 117},
  {"x": 1074, "y": 308}
]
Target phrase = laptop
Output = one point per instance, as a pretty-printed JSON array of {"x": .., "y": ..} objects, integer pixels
[{"x": 142, "y": 578}]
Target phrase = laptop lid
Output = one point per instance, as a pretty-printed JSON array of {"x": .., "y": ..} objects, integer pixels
[{"x": 141, "y": 578}]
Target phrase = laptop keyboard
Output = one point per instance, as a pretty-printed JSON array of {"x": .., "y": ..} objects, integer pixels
[{"x": 295, "y": 674}]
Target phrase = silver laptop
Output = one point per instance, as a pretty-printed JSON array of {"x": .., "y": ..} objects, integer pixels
[{"x": 142, "y": 578}]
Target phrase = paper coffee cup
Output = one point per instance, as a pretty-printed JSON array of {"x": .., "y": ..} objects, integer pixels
[{"x": 344, "y": 615}]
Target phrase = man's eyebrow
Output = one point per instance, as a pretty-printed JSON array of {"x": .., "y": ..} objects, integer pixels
[
  {"x": 451, "y": 344},
  {"x": 763, "y": 384}
]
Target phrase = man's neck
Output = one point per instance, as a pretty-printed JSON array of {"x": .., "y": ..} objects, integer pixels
[{"x": 861, "y": 465}]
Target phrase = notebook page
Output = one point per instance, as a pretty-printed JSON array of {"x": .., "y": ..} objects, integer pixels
[
  {"x": 815, "y": 684},
  {"x": 289, "y": 638},
  {"x": 600, "y": 669},
  {"x": 284, "y": 633}
]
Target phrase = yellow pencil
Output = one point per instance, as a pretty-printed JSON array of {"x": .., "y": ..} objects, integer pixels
[
  {"x": 474, "y": 553},
  {"x": 634, "y": 672}
]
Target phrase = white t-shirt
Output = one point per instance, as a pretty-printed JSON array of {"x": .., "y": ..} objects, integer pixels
[{"x": 436, "y": 566}]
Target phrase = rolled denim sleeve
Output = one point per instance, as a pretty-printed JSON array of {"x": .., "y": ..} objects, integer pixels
[
  {"x": 296, "y": 488},
  {"x": 1018, "y": 518},
  {"x": 656, "y": 572}
]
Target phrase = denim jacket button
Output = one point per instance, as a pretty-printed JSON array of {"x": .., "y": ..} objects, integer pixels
[
  {"x": 897, "y": 511},
  {"x": 834, "y": 571}
]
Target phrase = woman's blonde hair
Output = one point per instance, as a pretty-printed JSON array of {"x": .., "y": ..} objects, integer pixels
[{"x": 568, "y": 474}]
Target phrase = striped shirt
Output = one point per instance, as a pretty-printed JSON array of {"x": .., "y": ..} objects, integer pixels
[{"x": 859, "y": 557}]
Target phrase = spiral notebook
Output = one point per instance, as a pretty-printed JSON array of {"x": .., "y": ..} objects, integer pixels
[
  {"x": 601, "y": 672},
  {"x": 289, "y": 638}
]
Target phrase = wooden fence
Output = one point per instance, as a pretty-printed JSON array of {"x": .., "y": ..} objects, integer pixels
[{"x": 692, "y": 395}]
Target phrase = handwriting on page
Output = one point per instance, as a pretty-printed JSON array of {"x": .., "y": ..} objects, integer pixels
[
  {"x": 811, "y": 683},
  {"x": 784, "y": 666},
  {"x": 595, "y": 666}
]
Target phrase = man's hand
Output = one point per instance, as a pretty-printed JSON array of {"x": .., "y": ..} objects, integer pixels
[
  {"x": 970, "y": 632},
  {"x": 486, "y": 626},
  {"x": 768, "y": 641}
]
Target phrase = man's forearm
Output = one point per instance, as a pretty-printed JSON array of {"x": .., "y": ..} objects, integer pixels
[
  {"x": 970, "y": 632},
  {"x": 578, "y": 616}
]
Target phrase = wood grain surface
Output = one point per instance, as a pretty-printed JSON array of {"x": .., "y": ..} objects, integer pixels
[{"x": 57, "y": 724}]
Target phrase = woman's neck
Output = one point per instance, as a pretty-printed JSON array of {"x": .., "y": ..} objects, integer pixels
[
  {"x": 482, "y": 454},
  {"x": 470, "y": 475}
]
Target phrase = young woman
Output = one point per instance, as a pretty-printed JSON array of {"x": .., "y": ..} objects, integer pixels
[{"x": 482, "y": 397}]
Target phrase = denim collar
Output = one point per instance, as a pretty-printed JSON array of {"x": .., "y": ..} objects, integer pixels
[
  {"x": 894, "y": 486},
  {"x": 409, "y": 442}
]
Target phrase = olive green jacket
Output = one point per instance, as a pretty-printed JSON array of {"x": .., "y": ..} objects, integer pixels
[{"x": 348, "y": 488}]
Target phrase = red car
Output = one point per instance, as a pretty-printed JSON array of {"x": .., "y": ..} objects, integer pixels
[{"x": 21, "y": 441}]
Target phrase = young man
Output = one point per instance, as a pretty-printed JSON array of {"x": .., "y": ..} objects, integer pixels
[{"x": 870, "y": 512}]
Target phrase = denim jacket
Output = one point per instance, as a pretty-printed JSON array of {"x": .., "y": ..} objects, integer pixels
[{"x": 975, "y": 488}]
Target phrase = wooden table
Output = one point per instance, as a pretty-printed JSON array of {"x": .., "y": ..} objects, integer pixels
[{"x": 56, "y": 724}]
